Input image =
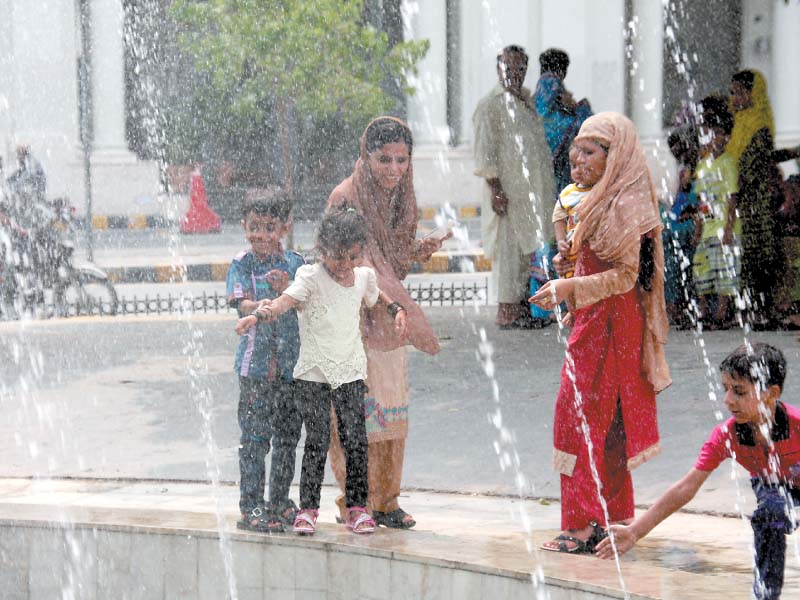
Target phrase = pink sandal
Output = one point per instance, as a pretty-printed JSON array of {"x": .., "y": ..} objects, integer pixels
[
  {"x": 305, "y": 523},
  {"x": 362, "y": 523}
]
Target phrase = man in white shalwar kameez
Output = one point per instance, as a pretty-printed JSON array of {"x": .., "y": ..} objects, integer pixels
[{"x": 512, "y": 155}]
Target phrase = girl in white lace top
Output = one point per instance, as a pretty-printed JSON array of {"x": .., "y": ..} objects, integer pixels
[{"x": 332, "y": 365}]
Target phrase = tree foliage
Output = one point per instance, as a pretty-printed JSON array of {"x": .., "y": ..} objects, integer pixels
[{"x": 317, "y": 57}]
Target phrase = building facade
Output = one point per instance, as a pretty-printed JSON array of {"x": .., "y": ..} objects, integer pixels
[{"x": 642, "y": 57}]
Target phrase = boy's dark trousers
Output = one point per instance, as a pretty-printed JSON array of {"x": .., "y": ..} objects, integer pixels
[
  {"x": 266, "y": 412},
  {"x": 772, "y": 520},
  {"x": 314, "y": 401}
]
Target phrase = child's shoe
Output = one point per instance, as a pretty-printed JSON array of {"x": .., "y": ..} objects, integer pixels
[
  {"x": 261, "y": 520},
  {"x": 359, "y": 520},
  {"x": 305, "y": 523},
  {"x": 286, "y": 514}
]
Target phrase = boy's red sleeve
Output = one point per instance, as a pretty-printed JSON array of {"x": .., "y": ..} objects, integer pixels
[{"x": 714, "y": 451}]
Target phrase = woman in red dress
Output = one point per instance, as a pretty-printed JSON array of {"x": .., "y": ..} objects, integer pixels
[{"x": 605, "y": 420}]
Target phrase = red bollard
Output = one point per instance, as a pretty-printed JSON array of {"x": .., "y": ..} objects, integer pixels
[{"x": 199, "y": 218}]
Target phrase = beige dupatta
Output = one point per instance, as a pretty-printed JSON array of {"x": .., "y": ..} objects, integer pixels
[
  {"x": 619, "y": 210},
  {"x": 391, "y": 228}
]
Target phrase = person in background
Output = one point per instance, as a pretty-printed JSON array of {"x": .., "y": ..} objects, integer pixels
[
  {"x": 27, "y": 186},
  {"x": 790, "y": 217},
  {"x": 561, "y": 115},
  {"x": 679, "y": 224},
  {"x": 512, "y": 156},
  {"x": 717, "y": 257},
  {"x": 759, "y": 198}
]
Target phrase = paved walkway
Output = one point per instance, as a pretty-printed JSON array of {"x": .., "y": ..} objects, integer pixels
[{"x": 688, "y": 556}]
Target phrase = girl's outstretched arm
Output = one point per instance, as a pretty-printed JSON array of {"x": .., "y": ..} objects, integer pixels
[
  {"x": 269, "y": 310},
  {"x": 397, "y": 312},
  {"x": 266, "y": 310},
  {"x": 626, "y": 536}
]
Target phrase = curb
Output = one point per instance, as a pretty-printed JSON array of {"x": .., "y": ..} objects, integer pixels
[
  {"x": 101, "y": 222},
  {"x": 218, "y": 271}
]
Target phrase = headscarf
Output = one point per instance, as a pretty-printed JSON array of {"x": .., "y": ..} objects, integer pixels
[
  {"x": 620, "y": 209},
  {"x": 749, "y": 121},
  {"x": 391, "y": 217}
]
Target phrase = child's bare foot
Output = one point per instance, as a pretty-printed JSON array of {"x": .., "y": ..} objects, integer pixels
[{"x": 568, "y": 320}]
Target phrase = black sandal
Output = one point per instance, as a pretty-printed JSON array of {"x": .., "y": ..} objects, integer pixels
[
  {"x": 260, "y": 520},
  {"x": 581, "y": 546},
  {"x": 598, "y": 535},
  {"x": 395, "y": 519},
  {"x": 286, "y": 514}
]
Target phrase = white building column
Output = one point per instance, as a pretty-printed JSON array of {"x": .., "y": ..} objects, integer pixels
[
  {"x": 756, "y": 45},
  {"x": 647, "y": 61},
  {"x": 435, "y": 163},
  {"x": 646, "y": 91},
  {"x": 427, "y": 108},
  {"x": 122, "y": 185},
  {"x": 784, "y": 87},
  {"x": 108, "y": 77}
]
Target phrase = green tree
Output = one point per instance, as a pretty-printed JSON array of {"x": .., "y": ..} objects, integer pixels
[{"x": 315, "y": 58}]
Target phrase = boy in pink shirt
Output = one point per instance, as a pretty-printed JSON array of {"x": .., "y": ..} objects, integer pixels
[{"x": 762, "y": 435}]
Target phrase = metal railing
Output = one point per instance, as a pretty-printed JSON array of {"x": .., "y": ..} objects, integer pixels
[{"x": 442, "y": 294}]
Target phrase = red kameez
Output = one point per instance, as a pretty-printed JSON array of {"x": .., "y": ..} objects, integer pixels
[{"x": 618, "y": 401}]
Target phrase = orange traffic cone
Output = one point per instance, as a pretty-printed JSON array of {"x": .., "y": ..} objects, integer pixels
[{"x": 199, "y": 218}]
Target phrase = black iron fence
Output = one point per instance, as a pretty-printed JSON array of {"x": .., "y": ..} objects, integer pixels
[
  {"x": 425, "y": 294},
  {"x": 461, "y": 294}
]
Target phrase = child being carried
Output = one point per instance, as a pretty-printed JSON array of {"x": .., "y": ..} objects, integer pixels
[{"x": 565, "y": 213}]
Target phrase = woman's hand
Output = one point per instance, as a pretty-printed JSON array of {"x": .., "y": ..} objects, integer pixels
[
  {"x": 400, "y": 323},
  {"x": 562, "y": 264},
  {"x": 553, "y": 293},
  {"x": 429, "y": 245}
]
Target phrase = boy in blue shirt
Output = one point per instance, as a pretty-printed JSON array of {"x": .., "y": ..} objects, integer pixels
[{"x": 264, "y": 362}]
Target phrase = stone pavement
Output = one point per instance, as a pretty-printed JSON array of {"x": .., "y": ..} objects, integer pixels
[
  {"x": 117, "y": 403},
  {"x": 688, "y": 556},
  {"x": 163, "y": 255}
]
